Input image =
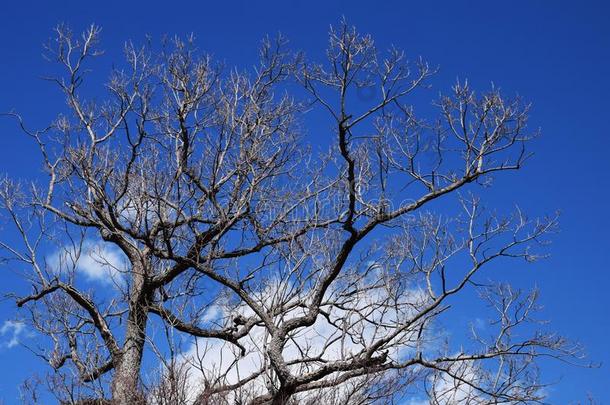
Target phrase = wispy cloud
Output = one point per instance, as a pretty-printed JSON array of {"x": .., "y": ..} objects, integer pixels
[
  {"x": 321, "y": 339},
  {"x": 416, "y": 402},
  {"x": 13, "y": 331},
  {"x": 96, "y": 260}
]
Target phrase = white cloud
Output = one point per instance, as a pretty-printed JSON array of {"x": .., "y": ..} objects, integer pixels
[
  {"x": 13, "y": 330},
  {"x": 416, "y": 402},
  {"x": 323, "y": 339},
  {"x": 219, "y": 362},
  {"x": 96, "y": 260},
  {"x": 450, "y": 390}
]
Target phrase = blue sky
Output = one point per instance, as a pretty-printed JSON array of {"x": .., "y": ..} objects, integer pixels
[{"x": 555, "y": 54}]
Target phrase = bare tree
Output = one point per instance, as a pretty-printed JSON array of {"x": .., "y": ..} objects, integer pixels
[{"x": 256, "y": 267}]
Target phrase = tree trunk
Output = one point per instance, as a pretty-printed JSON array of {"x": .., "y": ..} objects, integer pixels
[
  {"x": 126, "y": 388},
  {"x": 126, "y": 385},
  {"x": 282, "y": 396}
]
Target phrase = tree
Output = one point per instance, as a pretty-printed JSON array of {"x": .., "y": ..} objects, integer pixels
[{"x": 296, "y": 276}]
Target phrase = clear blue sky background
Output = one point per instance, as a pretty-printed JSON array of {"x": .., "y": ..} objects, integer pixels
[{"x": 554, "y": 53}]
